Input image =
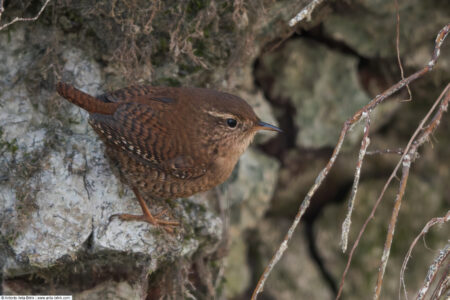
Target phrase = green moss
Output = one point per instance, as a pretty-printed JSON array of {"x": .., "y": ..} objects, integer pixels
[
  {"x": 167, "y": 81},
  {"x": 73, "y": 121},
  {"x": 8, "y": 146},
  {"x": 200, "y": 48},
  {"x": 159, "y": 55},
  {"x": 194, "y": 6},
  {"x": 187, "y": 69},
  {"x": 12, "y": 237}
]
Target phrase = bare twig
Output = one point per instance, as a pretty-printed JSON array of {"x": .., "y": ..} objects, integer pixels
[
  {"x": 322, "y": 175},
  {"x": 397, "y": 47},
  {"x": 432, "y": 271},
  {"x": 411, "y": 153},
  {"x": 398, "y": 151},
  {"x": 406, "y": 161},
  {"x": 424, "y": 231},
  {"x": 438, "y": 43},
  {"x": 17, "y": 19},
  {"x": 305, "y": 13},
  {"x": 362, "y": 152},
  {"x": 443, "y": 286},
  {"x": 393, "y": 175},
  {"x": 304, "y": 205}
]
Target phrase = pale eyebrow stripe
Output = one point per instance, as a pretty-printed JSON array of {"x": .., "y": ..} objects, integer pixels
[{"x": 220, "y": 115}]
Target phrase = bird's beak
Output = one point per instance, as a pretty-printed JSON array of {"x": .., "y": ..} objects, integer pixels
[{"x": 265, "y": 126}]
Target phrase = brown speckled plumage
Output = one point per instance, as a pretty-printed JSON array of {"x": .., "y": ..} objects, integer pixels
[{"x": 169, "y": 142}]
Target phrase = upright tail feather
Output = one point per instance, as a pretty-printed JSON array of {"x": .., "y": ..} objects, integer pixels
[{"x": 85, "y": 101}]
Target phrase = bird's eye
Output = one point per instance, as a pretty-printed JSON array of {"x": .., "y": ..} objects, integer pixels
[{"x": 231, "y": 123}]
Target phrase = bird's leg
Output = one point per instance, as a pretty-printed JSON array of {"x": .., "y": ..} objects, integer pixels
[{"x": 146, "y": 216}]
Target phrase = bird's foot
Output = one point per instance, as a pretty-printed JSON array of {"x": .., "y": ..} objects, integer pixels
[{"x": 165, "y": 224}]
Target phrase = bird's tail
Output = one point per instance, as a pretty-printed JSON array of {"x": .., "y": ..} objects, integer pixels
[{"x": 85, "y": 101}]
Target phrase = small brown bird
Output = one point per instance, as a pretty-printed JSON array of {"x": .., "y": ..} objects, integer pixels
[{"x": 169, "y": 142}]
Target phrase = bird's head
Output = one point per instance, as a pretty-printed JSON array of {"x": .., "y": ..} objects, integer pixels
[{"x": 230, "y": 123}]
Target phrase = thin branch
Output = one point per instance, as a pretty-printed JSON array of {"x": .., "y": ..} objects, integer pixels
[
  {"x": 347, "y": 125},
  {"x": 397, "y": 47},
  {"x": 390, "y": 235},
  {"x": 398, "y": 151},
  {"x": 406, "y": 161},
  {"x": 437, "y": 49},
  {"x": 304, "y": 205},
  {"x": 424, "y": 231},
  {"x": 432, "y": 271},
  {"x": 393, "y": 175},
  {"x": 305, "y": 13},
  {"x": 351, "y": 203},
  {"x": 17, "y": 19},
  {"x": 443, "y": 285}
]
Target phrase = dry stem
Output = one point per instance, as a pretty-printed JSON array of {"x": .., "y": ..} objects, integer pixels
[
  {"x": 17, "y": 19},
  {"x": 432, "y": 271},
  {"x": 427, "y": 227},
  {"x": 398, "y": 151},
  {"x": 407, "y": 159},
  {"x": 397, "y": 47},
  {"x": 406, "y": 162},
  {"x": 443, "y": 286},
  {"x": 320, "y": 178},
  {"x": 362, "y": 152},
  {"x": 407, "y": 150}
]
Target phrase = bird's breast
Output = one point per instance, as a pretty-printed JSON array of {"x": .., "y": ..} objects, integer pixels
[{"x": 222, "y": 168}]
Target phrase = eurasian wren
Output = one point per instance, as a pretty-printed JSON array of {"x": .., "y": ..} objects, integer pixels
[{"x": 169, "y": 142}]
